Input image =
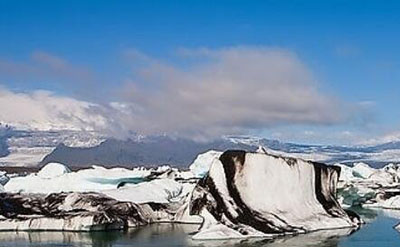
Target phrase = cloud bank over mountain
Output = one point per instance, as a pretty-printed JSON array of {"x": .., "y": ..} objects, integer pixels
[
  {"x": 42, "y": 110},
  {"x": 231, "y": 91},
  {"x": 206, "y": 94}
]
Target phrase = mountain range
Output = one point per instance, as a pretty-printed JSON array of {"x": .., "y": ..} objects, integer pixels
[{"x": 83, "y": 149}]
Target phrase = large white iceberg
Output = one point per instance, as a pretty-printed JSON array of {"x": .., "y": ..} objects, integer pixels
[{"x": 255, "y": 194}]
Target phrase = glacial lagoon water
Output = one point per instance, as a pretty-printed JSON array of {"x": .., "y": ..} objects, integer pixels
[{"x": 378, "y": 232}]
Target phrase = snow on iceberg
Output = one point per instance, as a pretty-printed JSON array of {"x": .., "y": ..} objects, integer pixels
[
  {"x": 362, "y": 170},
  {"x": 52, "y": 170},
  {"x": 95, "y": 179},
  {"x": 157, "y": 191},
  {"x": 161, "y": 185},
  {"x": 346, "y": 173},
  {"x": 384, "y": 199},
  {"x": 202, "y": 163},
  {"x": 254, "y": 194},
  {"x": 394, "y": 170},
  {"x": 390, "y": 174}
]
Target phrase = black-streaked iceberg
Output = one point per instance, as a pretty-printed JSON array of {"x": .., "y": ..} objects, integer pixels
[{"x": 261, "y": 195}]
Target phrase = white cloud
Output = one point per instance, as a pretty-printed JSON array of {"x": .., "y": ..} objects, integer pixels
[
  {"x": 229, "y": 91},
  {"x": 41, "y": 110},
  {"x": 211, "y": 93},
  {"x": 393, "y": 136}
]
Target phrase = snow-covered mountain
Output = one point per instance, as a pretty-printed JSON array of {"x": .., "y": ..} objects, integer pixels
[
  {"x": 180, "y": 152},
  {"x": 28, "y": 148},
  {"x": 149, "y": 151},
  {"x": 83, "y": 149}
]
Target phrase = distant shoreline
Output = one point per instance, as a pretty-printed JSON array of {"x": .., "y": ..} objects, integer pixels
[{"x": 27, "y": 170}]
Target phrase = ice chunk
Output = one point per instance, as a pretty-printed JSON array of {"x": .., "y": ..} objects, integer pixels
[
  {"x": 202, "y": 163},
  {"x": 362, "y": 170},
  {"x": 53, "y": 170},
  {"x": 3, "y": 178}
]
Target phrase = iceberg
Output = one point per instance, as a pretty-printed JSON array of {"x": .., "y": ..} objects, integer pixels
[
  {"x": 202, "y": 163},
  {"x": 156, "y": 199},
  {"x": 52, "y": 170},
  {"x": 385, "y": 200},
  {"x": 362, "y": 185},
  {"x": 3, "y": 178},
  {"x": 67, "y": 212},
  {"x": 92, "y": 199},
  {"x": 262, "y": 195},
  {"x": 158, "y": 191},
  {"x": 232, "y": 195},
  {"x": 362, "y": 170},
  {"x": 56, "y": 178},
  {"x": 346, "y": 173}
]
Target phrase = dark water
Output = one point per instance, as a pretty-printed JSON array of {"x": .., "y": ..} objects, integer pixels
[{"x": 378, "y": 232}]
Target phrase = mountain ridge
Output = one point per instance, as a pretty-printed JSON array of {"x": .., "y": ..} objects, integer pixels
[{"x": 82, "y": 149}]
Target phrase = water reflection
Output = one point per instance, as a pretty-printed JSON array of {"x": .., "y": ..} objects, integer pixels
[
  {"x": 44, "y": 238},
  {"x": 160, "y": 235},
  {"x": 154, "y": 235},
  {"x": 329, "y": 238},
  {"x": 378, "y": 231}
]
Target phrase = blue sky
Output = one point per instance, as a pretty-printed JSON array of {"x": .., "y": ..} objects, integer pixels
[{"x": 350, "y": 47}]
